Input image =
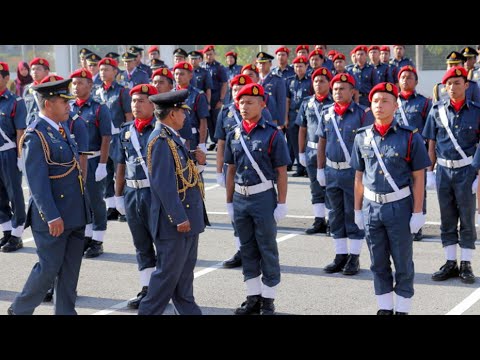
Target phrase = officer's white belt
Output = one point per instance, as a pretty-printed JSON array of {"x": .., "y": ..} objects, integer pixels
[
  {"x": 338, "y": 165},
  {"x": 138, "y": 184},
  {"x": 453, "y": 164},
  {"x": 94, "y": 155},
  {"x": 312, "y": 144},
  {"x": 254, "y": 189},
  {"x": 8, "y": 146},
  {"x": 386, "y": 198}
]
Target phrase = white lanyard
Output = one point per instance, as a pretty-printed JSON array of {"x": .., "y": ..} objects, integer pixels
[
  {"x": 136, "y": 146},
  {"x": 235, "y": 115},
  {"x": 331, "y": 112},
  {"x": 402, "y": 112},
  {"x": 250, "y": 157},
  {"x": 443, "y": 118}
]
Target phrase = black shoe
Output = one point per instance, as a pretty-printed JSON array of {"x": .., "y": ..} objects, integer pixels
[
  {"x": 135, "y": 303},
  {"x": 211, "y": 147},
  {"x": 319, "y": 226},
  {"x": 384, "y": 312},
  {"x": 337, "y": 265},
  {"x": 327, "y": 232},
  {"x": 5, "y": 238},
  {"x": 400, "y": 313},
  {"x": 122, "y": 218},
  {"x": 233, "y": 262},
  {"x": 289, "y": 168},
  {"x": 95, "y": 249},
  {"x": 10, "y": 311},
  {"x": 466, "y": 273},
  {"x": 251, "y": 306},
  {"x": 112, "y": 214},
  {"x": 267, "y": 307},
  {"x": 300, "y": 173},
  {"x": 49, "y": 295},
  {"x": 352, "y": 266},
  {"x": 88, "y": 242},
  {"x": 14, "y": 243},
  {"x": 418, "y": 236},
  {"x": 447, "y": 271}
]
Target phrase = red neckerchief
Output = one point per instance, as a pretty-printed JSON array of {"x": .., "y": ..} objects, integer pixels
[
  {"x": 457, "y": 105},
  {"x": 406, "y": 94},
  {"x": 321, "y": 98},
  {"x": 3, "y": 92},
  {"x": 80, "y": 102},
  {"x": 248, "y": 125},
  {"x": 35, "y": 82},
  {"x": 107, "y": 86},
  {"x": 341, "y": 109},
  {"x": 382, "y": 129},
  {"x": 141, "y": 123}
]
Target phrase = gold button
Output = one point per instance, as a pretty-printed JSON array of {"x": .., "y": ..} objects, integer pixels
[
  {"x": 246, "y": 167},
  {"x": 248, "y": 137},
  {"x": 188, "y": 205},
  {"x": 383, "y": 138},
  {"x": 61, "y": 196},
  {"x": 396, "y": 154},
  {"x": 380, "y": 172}
]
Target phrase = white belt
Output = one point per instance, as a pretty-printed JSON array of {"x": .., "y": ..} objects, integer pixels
[
  {"x": 94, "y": 155},
  {"x": 338, "y": 165},
  {"x": 452, "y": 164},
  {"x": 138, "y": 184},
  {"x": 8, "y": 146},
  {"x": 115, "y": 130},
  {"x": 386, "y": 198},
  {"x": 194, "y": 130},
  {"x": 312, "y": 144},
  {"x": 254, "y": 189}
]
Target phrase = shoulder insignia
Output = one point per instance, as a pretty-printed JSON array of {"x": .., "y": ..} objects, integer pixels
[
  {"x": 164, "y": 132},
  {"x": 230, "y": 114},
  {"x": 237, "y": 133},
  {"x": 127, "y": 135}
]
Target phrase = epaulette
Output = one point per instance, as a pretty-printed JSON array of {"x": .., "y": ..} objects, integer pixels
[
  {"x": 128, "y": 123},
  {"x": 164, "y": 132},
  {"x": 408, "y": 128}
]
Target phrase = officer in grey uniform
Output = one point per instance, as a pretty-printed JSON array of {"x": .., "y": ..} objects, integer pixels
[
  {"x": 58, "y": 209},
  {"x": 177, "y": 213}
]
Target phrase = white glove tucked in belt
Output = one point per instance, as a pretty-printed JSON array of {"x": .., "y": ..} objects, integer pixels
[{"x": 230, "y": 210}]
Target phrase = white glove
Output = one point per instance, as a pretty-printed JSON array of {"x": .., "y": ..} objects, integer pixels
[
  {"x": 475, "y": 185},
  {"x": 431, "y": 182},
  {"x": 120, "y": 204},
  {"x": 416, "y": 222},
  {"x": 321, "y": 177},
  {"x": 101, "y": 172},
  {"x": 280, "y": 212},
  {"x": 203, "y": 147},
  {"x": 20, "y": 164},
  {"x": 230, "y": 210},
  {"x": 359, "y": 219},
  {"x": 303, "y": 159},
  {"x": 221, "y": 179}
]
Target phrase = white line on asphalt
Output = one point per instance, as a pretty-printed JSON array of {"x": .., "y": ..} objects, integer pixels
[
  {"x": 212, "y": 187},
  {"x": 28, "y": 240},
  {"x": 288, "y": 216},
  {"x": 468, "y": 302}
]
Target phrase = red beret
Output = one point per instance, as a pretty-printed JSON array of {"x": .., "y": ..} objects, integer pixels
[
  {"x": 374, "y": 47},
  {"x": 252, "y": 67},
  {"x": 300, "y": 60},
  {"x": 338, "y": 56},
  {"x": 332, "y": 53},
  {"x": 208, "y": 48},
  {"x": 153, "y": 48},
  {"x": 163, "y": 72},
  {"x": 360, "y": 48},
  {"x": 252, "y": 89},
  {"x": 383, "y": 87},
  {"x": 108, "y": 61},
  {"x": 231, "y": 53},
  {"x": 302, "y": 47},
  {"x": 241, "y": 80},
  {"x": 146, "y": 89},
  {"x": 283, "y": 49},
  {"x": 322, "y": 71},
  {"x": 4, "y": 66},
  {"x": 315, "y": 52},
  {"x": 81, "y": 73},
  {"x": 51, "y": 78},
  {"x": 183, "y": 65},
  {"x": 385, "y": 48},
  {"x": 343, "y": 77},
  {"x": 408, "y": 68},
  {"x": 456, "y": 71},
  {"x": 40, "y": 61}
]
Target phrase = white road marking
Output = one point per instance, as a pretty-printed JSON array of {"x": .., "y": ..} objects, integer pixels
[
  {"x": 466, "y": 304},
  {"x": 288, "y": 216},
  {"x": 212, "y": 187}
]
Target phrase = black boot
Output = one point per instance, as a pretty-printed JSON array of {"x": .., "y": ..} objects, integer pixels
[
  {"x": 95, "y": 249},
  {"x": 447, "y": 271},
  {"x": 135, "y": 303},
  {"x": 5, "y": 238},
  {"x": 14, "y": 243},
  {"x": 112, "y": 214},
  {"x": 88, "y": 242},
  {"x": 319, "y": 226},
  {"x": 327, "y": 232},
  {"x": 233, "y": 262},
  {"x": 418, "y": 236},
  {"x": 49, "y": 295},
  {"x": 337, "y": 265},
  {"x": 466, "y": 273},
  {"x": 384, "y": 312},
  {"x": 352, "y": 266},
  {"x": 251, "y": 306},
  {"x": 267, "y": 307}
]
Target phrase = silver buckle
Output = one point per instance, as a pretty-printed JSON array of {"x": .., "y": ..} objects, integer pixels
[
  {"x": 244, "y": 190},
  {"x": 380, "y": 198},
  {"x": 450, "y": 164},
  {"x": 137, "y": 185}
]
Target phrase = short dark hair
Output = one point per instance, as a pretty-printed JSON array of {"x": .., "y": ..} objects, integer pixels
[
  {"x": 162, "y": 113},
  {"x": 4, "y": 73}
]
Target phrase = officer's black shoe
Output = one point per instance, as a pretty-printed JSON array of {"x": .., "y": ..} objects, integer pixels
[
  {"x": 135, "y": 303},
  {"x": 14, "y": 243},
  {"x": 418, "y": 236},
  {"x": 49, "y": 295},
  {"x": 267, "y": 307},
  {"x": 233, "y": 262},
  {"x": 447, "y": 271},
  {"x": 88, "y": 242},
  {"x": 353, "y": 265},
  {"x": 122, "y": 218},
  {"x": 95, "y": 249},
  {"x": 251, "y": 306},
  {"x": 400, "y": 313},
  {"x": 319, "y": 226},
  {"x": 112, "y": 214},
  {"x": 466, "y": 273},
  {"x": 289, "y": 168},
  {"x": 212, "y": 147},
  {"x": 299, "y": 173},
  {"x": 384, "y": 312},
  {"x": 5, "y": 238},
  {"x": 10, "y": 311},
  {"x": 337, "y": 265}
]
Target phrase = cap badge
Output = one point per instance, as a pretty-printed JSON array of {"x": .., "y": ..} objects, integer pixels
[
  {"x": 453, "y": 56},
  {"x": 458, "y": 72},
  {"x": 241, "y": 80},
  {"x": 107, "y": 62},
  {"x": 255, "y": 90},
  {"x": 185, "y": 66},
  {"x": 145, "y": 89},
  {"x": 40, "y": 61},
  {"x": 343, "y": 78},
  {"x": 388, "y": 87},
  {"x": 165, "y": 71},
  {"x": 84, "y": 74},
  {"x": 1, "y": 67},
  {"x": 324, "y": 71}
]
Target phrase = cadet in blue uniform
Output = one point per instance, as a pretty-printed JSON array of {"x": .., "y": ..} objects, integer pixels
[
  {"x": 339, "y": 64},
  {"x": 385, "y": 59},
  {"x": 137, "y": 51},
  {"x": 257, "y": 155},
  {"x": 132, "y": 187},
  {"x": 390, "y": 161},
  {"x": 299, "y": 87},
  {"x": 316, "y": 60},
  {"x": 308, "y": 119},
  {"x": 336, "y": 130},
  {"x": 328, "y": 63},
  {"x": 232, "y": 69},
  {"x": 400, "y": 60},
  {"x": 92, "y": 65},
  {"x": 162, "y": 79},
  {"x": 383, "y": 70},
  {"x": 453, "y": 129},
  {"x": 133, "y": 75},
  {"x": 177, "y": 213},
  {"x": 39, "y": 68},
  {"x": 58, "y": 210},
  {"x": 365, "y": 75},
  {"x": 283, "y": 69},
  {"x": 302, "y": 50},
  {"x": 201, "y": 79},
  {"x": 12, "y": 204}
]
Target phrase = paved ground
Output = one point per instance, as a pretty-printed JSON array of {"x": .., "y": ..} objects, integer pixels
[{"x": 106, "y": 283}]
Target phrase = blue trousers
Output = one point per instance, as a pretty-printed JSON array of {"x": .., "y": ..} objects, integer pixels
[
  {"x": 292, "y": 137},
  {"x": 112, "y": 161},
  {"x": 317, "y": 191},
  {"x": 12, "y": 203},
  {"x": 96, "y": 194}
]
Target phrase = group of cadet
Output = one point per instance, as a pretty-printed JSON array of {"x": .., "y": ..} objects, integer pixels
[{"x": 92, "y": 148}]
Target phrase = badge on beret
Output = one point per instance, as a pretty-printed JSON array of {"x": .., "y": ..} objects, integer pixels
[
  {"x": 458, "y": 72},
  {"x": 1, "y": 67},
  {"x": 241, "y": 80},
  {"x": 453, "y": 56},
  {"x": 388, "y": 87},
  {"x": 410, "y": 67},
  {"x": 40, "y": 61},
  {"x": 185, "y": 66},
  {"x": 253, "y": 67},
  {"x": 255, "y": 90},
  {"x": 300, "y": 61},
  {"x": 165, "y": 71},
  {"x": 343, "y": 78},
  {"x": 84, "y": 74},
  {"x": 324, "y": 71},
  {"x": 107, "y": 62},
  {"x": 145, "y": 88}
]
